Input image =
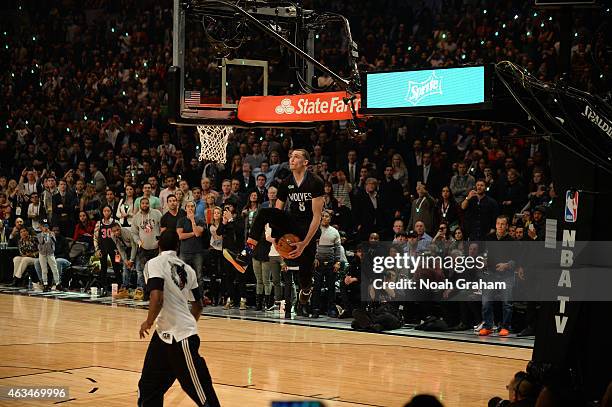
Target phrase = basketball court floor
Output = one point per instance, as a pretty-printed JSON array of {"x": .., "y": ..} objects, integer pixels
[{"x": 93, "y": 349}]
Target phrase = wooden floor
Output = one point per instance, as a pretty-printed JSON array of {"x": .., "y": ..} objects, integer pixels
[{"x": 46, "y": 342}]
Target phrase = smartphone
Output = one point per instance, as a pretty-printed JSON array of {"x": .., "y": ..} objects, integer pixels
[{"x": 531, "y": 227}]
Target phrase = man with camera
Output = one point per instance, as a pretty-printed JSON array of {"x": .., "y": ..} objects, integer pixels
[{"x": 522, "y": 392}]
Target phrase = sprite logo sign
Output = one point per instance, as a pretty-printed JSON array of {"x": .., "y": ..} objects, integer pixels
[
  {"x": 420, "y": 90},
  {"x": 440, "y": 87}
]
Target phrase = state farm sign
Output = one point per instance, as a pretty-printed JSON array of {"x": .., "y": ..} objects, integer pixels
[{"x": 312, "y": 107}]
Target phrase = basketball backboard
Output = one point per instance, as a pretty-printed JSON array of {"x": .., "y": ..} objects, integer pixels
[{"x": 225, "y": 51}]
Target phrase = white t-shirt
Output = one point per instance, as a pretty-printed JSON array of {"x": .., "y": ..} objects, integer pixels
[
  {"x": 273, "y": 252},
  {"x": 175, "y": 319}
]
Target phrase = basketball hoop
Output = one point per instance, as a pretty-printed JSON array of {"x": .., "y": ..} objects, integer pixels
[{"x": 213, "y": 139}]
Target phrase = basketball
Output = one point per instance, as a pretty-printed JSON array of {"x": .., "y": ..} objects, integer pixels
[{"x": 283, "y": 244}]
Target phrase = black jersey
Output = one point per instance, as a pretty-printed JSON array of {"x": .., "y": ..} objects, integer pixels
[{"x": 298, "y": 198}]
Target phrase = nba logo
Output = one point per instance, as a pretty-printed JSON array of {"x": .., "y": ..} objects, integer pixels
[{"x": 571, "y": 206}]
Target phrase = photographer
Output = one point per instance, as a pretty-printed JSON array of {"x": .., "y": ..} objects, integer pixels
[
  {"x": 350, "y": 288},
  {"x": 522, "y": 392}
]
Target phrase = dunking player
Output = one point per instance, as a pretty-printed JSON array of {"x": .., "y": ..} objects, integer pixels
[
  {"x": 302, "y": 191},
  {"x": 173, "y": 350}
]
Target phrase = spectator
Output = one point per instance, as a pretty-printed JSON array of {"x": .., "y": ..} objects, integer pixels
[
  {"x": 191, "y": 234},
  {"x": 400, "y": 171},
  {"x": 155, "y": 188},
  {"x": 423, "y": 208},
  {"x": 46, "y": 255},
  {"x": 61, "y": 257},
  {"x": 260, "y": 188},
  {"x": 28, "y": 252},
  {"x": 145, "y": 231},
  {"x": 424, "y": 400},
  {"x": 126, "y": 208},
  {"x": 90, "y": 202},
  {"x": 232, "y": 231},
  {"x": 392, "y": 195},
  {"x": 342, "y": 190},
  {"x": 236, "y": 191},
  {"x": 97, "y": 178},
  {"x": 36, "y": 212},
  {"x": 272, "y": 197},
  {"x": 165, "y": 193},
  {"x": 112, "y": 202},
  {"x": 461, "y": 183},
  {"x": 154, "y": 202},
  {"x": 247, "y": 181},
  {"x": 105, "y": 247},
  {"x": 15, "y": 232},
  {"x": 256, "y": 157},
  {"x": 480, "y": 212},
  {"x": 369, "y": 213},
  {"x": 511, "y": 193},
  {"x": 350, "y": 290},
  {"x": 127, "y": 248},
  {"x": 84, "y": 229},
  {"x": 352, "y": 168},
  {"x": 327, "y": 265},
  {"x": 500, "y": 269},
  {"x": 187, "y": 193},
  {"x": 170, "y": 219},
  {"x": 447, "y": 210},
  {"x": 330, "y": 203},
  {"x": 215, "y": 255},
  {"x": 64, "y": 203},
  {"x": 423, "y": 238},
  {"x": 428, "y": 174}
]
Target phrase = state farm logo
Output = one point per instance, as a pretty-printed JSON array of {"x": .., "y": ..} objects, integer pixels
[
  {"x": 419, "y": 90},
  {"x": 308, "y": 106},
  {"x": 285, "y": 107}
]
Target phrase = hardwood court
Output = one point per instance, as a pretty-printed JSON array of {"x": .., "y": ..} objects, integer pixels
[{"x": 95, "y": 351}]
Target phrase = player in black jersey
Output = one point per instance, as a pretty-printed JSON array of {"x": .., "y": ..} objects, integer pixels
[{"x": 302, "y": 193}]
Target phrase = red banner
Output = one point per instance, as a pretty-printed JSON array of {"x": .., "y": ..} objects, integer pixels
[{"x": 311, "y": 107}]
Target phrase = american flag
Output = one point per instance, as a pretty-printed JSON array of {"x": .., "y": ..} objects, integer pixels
[{"x": 192, "y": 98}]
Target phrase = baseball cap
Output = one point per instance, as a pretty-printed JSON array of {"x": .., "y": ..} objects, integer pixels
[{"x": 412, "y": 233}]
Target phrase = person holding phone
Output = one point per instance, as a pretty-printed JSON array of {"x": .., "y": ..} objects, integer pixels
[{"x": 480, "y": 212}]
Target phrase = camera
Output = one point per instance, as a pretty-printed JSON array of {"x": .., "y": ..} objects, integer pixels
[{"x": 498, "y": 402}]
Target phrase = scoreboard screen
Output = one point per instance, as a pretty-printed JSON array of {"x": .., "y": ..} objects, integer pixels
[{"x": 420, "y": 91}]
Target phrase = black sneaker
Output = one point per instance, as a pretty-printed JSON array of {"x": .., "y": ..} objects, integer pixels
[
  {"x": 528, "y": 331},
  {"x": 240, "y": 261}
]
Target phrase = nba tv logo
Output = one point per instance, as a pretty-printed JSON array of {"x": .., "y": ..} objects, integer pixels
[
  {"x": 571, "y": 206},
  {"x": 419, "y": 90}
]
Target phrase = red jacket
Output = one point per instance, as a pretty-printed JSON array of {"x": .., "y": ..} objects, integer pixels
[{"x": 81, "y": 230}]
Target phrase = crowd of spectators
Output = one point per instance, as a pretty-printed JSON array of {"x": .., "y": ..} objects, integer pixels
[{"x": 86, "y": 153}]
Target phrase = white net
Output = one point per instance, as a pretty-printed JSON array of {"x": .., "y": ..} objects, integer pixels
[{"x": 213, "y": 139}]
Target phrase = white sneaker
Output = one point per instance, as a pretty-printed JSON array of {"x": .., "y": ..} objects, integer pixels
[
  {"x": 478, "y": 327},
  {"x": 54, "y": 287},
  {"x": 37, "y": 287}
]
